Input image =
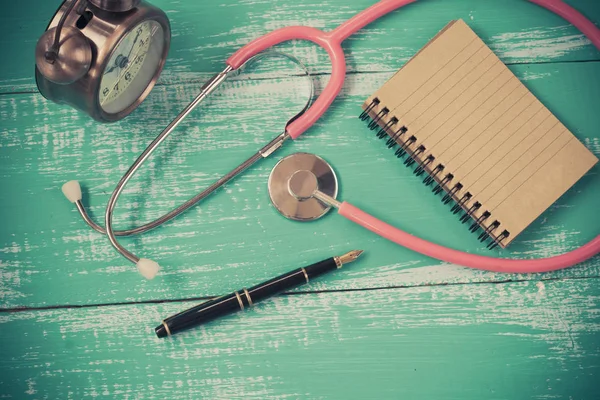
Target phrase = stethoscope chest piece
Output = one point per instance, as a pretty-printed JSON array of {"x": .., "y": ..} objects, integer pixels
[{"x": 294, "y": 181}]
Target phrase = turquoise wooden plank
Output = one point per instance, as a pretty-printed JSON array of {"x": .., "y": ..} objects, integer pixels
[
  {"x": 527, "y": 340},
  {"x": 205, "y": 33},
  {"x": 532, "y": 339},
  {"x": 49, "y": 256}
]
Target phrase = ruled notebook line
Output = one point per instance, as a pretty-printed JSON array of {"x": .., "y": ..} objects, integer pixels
[
  {"x": 471, "y": 112},
  {"x": 466, "y": 108},
  {"x": 439, "y": 45},
  {"x": 532, "y": 173},
  {"x": 427, "y": 112},
  {"x": 502, "y": 158},
  {"x": 472, "y": 128},
  {"x": 478, "y": 136},
  {"x": 418, "y": 89},
  {"x": 503, "y": 175},
  {"x": 486, "y": 151},
  {"x": 406, "y": 111},
  {"x": 484, "y": 134}
]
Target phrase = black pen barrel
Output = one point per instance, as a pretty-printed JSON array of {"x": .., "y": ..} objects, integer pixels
[
  {"x": 242, "y": 299},
  {"x": 200, "y": 314},
  {"x": 290, "y": 280}
]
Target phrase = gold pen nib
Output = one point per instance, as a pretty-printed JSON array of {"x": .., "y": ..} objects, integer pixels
[{"x": 348, "y": 257}]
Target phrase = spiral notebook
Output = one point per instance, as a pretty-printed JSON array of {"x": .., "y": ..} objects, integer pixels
[{"x": 478, "y": 137}]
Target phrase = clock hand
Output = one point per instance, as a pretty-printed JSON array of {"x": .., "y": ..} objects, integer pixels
[
  {"x": 133, "y": 45},
  {"x": 108, "y": 71},
  {"x": 125, "y": 71},
  {"x": 120, "y": 62}
]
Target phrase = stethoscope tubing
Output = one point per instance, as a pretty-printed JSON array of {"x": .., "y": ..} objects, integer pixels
[
  {"x": 331, "y": 42},
  {"x": 475, "y": 261}
]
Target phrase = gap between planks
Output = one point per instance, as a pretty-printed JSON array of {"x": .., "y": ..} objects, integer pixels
[
  {"x": 208, "y": 75},
  {"x": 297, "y": 293}
]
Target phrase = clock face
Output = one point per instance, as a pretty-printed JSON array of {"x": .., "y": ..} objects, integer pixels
[{"x": 131, "y": 67}]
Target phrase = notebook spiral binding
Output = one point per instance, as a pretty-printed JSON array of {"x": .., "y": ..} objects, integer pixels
[{"x": 401, "y": 137}]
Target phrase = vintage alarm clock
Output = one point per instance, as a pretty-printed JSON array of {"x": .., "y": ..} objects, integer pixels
[{"x": 102, "y": 56}]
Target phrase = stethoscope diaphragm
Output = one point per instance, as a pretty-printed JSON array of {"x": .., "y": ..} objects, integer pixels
[{"x": 293, "y": 182}]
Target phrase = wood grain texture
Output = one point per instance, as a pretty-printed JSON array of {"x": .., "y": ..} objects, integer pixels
[
  {"x": 528, "y": 340},
  {"x": 205, "y": 33},
  {"x": 236, "y": 238},
  {"x": 394, "y": 325}
]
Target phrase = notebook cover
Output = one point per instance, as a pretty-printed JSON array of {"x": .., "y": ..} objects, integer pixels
[{"x": 504, "y": 157}]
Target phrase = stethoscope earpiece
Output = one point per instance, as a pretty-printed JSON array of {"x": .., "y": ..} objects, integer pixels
[
  {"x": 72, "y": 191},
  {"x": 115, "y": 5}
]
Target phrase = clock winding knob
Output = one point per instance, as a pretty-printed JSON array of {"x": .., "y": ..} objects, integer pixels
[
  {"x": 67, "y": 64},
  {"x": 115, "y": 5}
]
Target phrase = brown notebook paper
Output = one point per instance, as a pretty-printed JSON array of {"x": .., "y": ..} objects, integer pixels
[{"x": 477, "y": 135}]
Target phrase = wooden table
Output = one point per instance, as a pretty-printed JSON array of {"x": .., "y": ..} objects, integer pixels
[{"x": 77, "y": 319}]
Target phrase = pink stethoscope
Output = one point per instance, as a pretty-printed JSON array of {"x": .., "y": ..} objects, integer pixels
[{"x": 331, "y": 42}]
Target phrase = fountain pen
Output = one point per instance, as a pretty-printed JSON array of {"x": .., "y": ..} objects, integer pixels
[{"x": 245, "y": 298}]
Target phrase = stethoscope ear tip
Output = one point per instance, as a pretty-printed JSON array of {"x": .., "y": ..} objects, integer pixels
[
  {"x": 148, "y": 268},
  {"x": 72, "y": 191}
]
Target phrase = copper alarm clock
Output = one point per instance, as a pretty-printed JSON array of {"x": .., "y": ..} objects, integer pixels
[{"x": 102, "y": 56}]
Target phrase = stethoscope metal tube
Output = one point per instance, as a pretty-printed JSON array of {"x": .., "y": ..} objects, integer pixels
[
  {"x": 206, "y": 90},
  {"x": 146, "y": 266}
]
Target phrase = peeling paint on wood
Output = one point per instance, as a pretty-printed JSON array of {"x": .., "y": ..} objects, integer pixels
[
  {"x": 236, "y": 237},
  {"x": 500, "y": 341},
  {"x": 421, "y": 330}
]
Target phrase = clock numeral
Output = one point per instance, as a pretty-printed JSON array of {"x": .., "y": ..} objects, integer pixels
[
  {"x": 105, "y": 91},
  {"x": 140, "y": 30},
  {"x": 127, "y": 76}
]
